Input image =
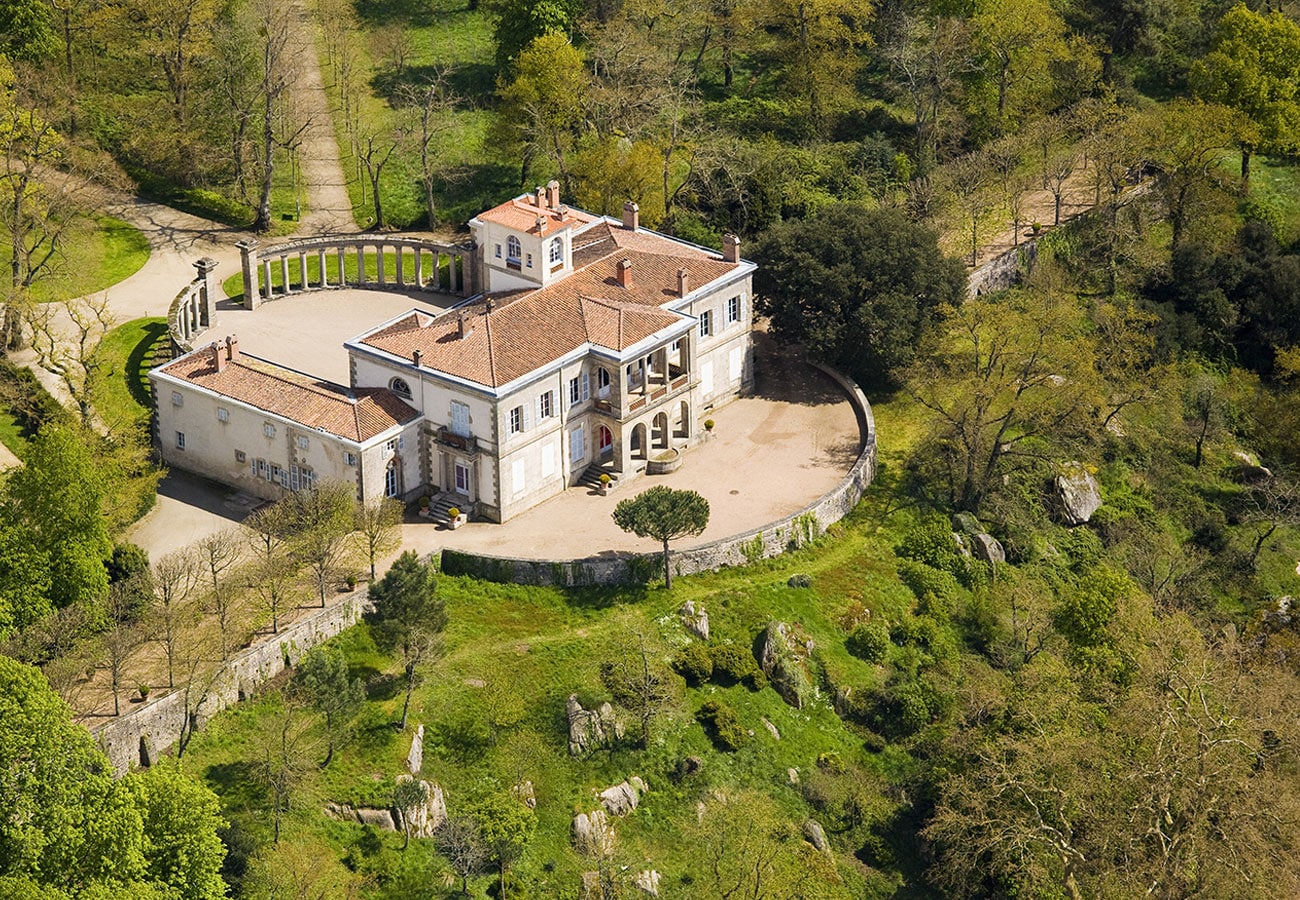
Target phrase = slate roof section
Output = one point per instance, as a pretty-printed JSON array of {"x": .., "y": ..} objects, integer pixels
[
  {"x": 530, "y": 329},
  {"x": 311, "y": 402}
]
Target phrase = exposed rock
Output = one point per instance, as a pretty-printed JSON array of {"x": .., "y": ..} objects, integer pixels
[
  {"x": 415, "y": 759},
  {"x": 590, "y": 889},
  {"x": 647, "y": 880},
  {"x": 816, "y": 836},
  {"x": 591, "y": 729},
  {"x": 695, "y": 620},
  {"x": 783, "y": 668},
  {"x": 772, "y": 728},
  {"x": 524, "y": 793},
  {"x": 379, "y": 818},
  {"x": 620, "y": 799},
  {"x": 1252, "y": 475},
  {"x": 1078, "y": 493},
  {"x": 425, "y": 819},
  {"x": 593, "y": 834},
  {"x": 960, "y": 540},
  {"x": 792, "y": 776},
  {"x": 988, "y": 549},
  {"x": 965, "y": 523}
]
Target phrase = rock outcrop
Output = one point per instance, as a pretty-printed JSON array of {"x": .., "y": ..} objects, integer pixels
[
  {"x": 695, "y": 620},
  {"x": 524, "y": 793},
  {"x": 593, "y": 834},
  {"x": 784, "y": 663},
  {"x": 1078, "y": 494},
  {"x": 988, "y": 548},
  {"x": 647, "y": 880},
  {"x": 425, "y": 819},
  {"x": 591, "y": 729},
  {"x": 363, "y": 815},
  {"x": 816, "y": 835},
  {"x": 415, "y": 758},
  {"x": 621, "y": 799}
]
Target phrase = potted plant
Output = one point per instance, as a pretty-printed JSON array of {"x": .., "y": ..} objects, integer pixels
[
  {"x": 350, "y": 582},
  {"x": 708, "y": 426},
  {"x": 424, "y": 502},
  {"x": 1036, "y": 227},
  {"x": 605, "y": 482},
  {"x": 454, "y": 518},
  {"x": 144, "y": 692}
]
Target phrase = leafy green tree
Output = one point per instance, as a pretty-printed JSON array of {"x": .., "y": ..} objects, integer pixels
[
  {"x": 25, "y": 30},
  {"x": 57, "y": 498},
  {"x": 665, "y": 515},
  {"x": 408, "y": 617},
  {"x": 377, "y": 524},
  {"x": 505, "y": 827},
  {"x": 817, "y": 44},
  {"x": 639, "y": 677},
  {"x": 521, "y": 22},
  {"x": 541, "y": 106},
  {"x": 858, "y": 287},
  {"x": 408, "y": 796},
  {"x": 323, "y": 682},
  {"x": 1018, "y": 41},
  {"x": 24, "y": 581},
  {"x": 1254, "y": 67},
  {"x": 181, "y": 820}
]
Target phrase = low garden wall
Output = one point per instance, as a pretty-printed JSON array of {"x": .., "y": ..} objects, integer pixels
[
  {"x": 772, "y": 539},
  {"x": 137, "y": 737}
]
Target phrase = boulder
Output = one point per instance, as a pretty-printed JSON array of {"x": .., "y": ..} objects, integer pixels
[
  {"x": 591, "y": 729},
  {"x": 960, "y": 540},
  {"x": 1078, "y": 494},
  {"x": 965, "y": 523},
  {"x": 647, "y": 880},
  {"x": 783, "y": 665},
  {"x": 524, "y": 793},
  {"x": 1252, "y": 476},
  {"x": 816, "y": 835},
  {"x": 592, "y": 833},
  {"x": 696, "y": 621},
  {"x": 988, "y": 549},
  {"x": 620, "y": 799},
  {"x": 775, "y": 732},
  {"x": 379, "y": 818},
  {"x": 425, "y": 819},
  {"x": 792, "y": 776},
  {"x": 415, "y": 758}
]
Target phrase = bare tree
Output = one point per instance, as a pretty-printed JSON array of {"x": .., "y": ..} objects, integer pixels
[
  {"x": 460, "y": 840},
  {"x": 433, "y": 101},
  {"x": 271, "y": 575},
  {"x": 287, "y": 751},
  {"x": 218, "y": 552},
  {"x": 175, "y": 575},
  {"x": 322, "y": 520},
  {"x": 639, "y": 678},
  {"x": 374, "y": 156},
  {"x": 66, "y": 344},
  {"x": 1267, "y": 505},
  {"x": 378, "y": 526},
  {"x": 275, "y": 21},
  {"x": 119, "y": 643}
]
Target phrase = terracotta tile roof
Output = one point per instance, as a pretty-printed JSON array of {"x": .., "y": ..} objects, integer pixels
[
  {"x": 528, "y": 330},
  {"x": 311, "y": 402},
  {"x": 521, "y": 215}
]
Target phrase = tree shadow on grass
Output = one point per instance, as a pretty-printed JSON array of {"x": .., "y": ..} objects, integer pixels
[
  {"x": 400, "y": 12},
  {"x": 237, "y": 784},
  {"x": 474, "y": 83}
]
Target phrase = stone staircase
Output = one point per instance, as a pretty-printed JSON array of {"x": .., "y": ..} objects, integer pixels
[
  {"x": 591, "y": 477},
  {"x": 441, "y": 503}
]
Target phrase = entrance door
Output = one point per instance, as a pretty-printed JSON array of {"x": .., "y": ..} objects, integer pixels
[
  {"x": 462, "y": 478},
  {"x": 606, "y": 441}
]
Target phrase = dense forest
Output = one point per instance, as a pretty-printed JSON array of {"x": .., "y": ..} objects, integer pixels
[{"x": 973, "y": 686}]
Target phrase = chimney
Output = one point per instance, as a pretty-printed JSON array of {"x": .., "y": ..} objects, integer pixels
[
  {"x": 218, "y": 356},
  {"x": 491, "y": 304},
  {"x": 553, "y": 194},
  {"x": 562, "y": 211},
  {"x": 631, "y": 216},
  {"x": 537, "y": 198},
  {"x": 730, "y": 248},
  {"x": 541, "y": 224},
  {"x": 460, "y": 326},
  {"x": 417, "y": 357},
  {"x": 625, "y": 273},
  {"x": 683, "y": 282},
  {"x": 232, "y": 347}
]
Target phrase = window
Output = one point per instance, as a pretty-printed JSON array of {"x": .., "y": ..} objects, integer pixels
[
  {"x": 180, "y": 440},
  {"x": 303, "y": 443},
  {"x": 579, "y": 389},
  {"x": 349, "y": 459},
  {"x": 293, "y": 477},
  {"x": 177, "y": 399},
  {"x": 733, "y": 310},
  {"x": 308, "y": 479},
  {"x": 602, "y": 379},
  {"x": 577, "y": 445},
  {"x": 261, "y": 469},
  {"x": 557, "y": 252},
  {"x": 516, "y": 420},
  {"x": 392, "y": 481},
  {"x": 223, "y": 414},
  {"x": 390, "y": 446},
  {"x": 529, "y": 262},
  {"x": 399, "y": 387},
  {"x": 498, "y": 251},
  {"x": 278, "y": 474},
  {"x": 268, "y": 429},
  {"x": 706, "y": 323},
  {"x": 240, "y": 456},
  {"x": 513, "y": 250},
  {"x": 546, "y": 405}
]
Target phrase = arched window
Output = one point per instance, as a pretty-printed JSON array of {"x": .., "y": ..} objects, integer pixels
[
  {"x": 557, "y": 252},
  {"x": 513, "y": 250},
  {"x": 399, "y": 387}
]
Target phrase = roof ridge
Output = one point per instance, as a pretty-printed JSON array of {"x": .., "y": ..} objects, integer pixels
[
  {"x": 582, "y": 314},
  {"x": 492, "y": 362},
  {"x": 310, "y": 382}
]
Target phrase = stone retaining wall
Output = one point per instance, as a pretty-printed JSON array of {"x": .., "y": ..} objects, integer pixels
[
  {"x": 772, "y": 539},
  {"x": 140, "y": 735},
  {"x": 1003, "y": 270}
]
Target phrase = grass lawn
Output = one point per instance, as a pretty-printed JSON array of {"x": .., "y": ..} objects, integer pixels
[
  {"x": 125, "y": 355},
  {"x": 11, "y": 434},
  {"x": 97, "y": 253}
]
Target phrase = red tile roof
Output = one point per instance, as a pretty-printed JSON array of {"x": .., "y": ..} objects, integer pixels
[
  {"x": 311, "y": 402},
  {"x": 527, "y": 330},
  {"x": 521, "y": 214}
]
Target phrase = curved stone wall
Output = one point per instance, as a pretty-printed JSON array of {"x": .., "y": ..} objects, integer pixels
[{"x": 773, "y": 539}]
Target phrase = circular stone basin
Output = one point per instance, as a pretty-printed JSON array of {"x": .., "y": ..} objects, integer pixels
[{"x": 662, "y": 464}]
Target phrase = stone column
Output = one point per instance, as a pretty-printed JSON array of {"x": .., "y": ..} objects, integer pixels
[
  {"x": 401, "y": 276},
  {"x": 284, "y": 274},
  {"x": 324, "y": 278},
  {"x": 343, "y": 265},
  {"x": 379, "y": 264},
  {"x": 302, "y": 271},
  {"x": 362, "y": 278},
  {"x": 248, "y": 265},
  {"x": 419, "y": 266},
  {"x": 268, "y": 290},
  {"x": 207, "y": 290}
]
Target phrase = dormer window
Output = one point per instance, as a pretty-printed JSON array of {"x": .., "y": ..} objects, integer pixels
[
  {"x": 399, "y": 387},
  {"x": 514, "y": 253}
]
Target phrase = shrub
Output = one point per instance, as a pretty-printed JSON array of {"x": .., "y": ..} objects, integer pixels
[
  {"x": 931, "y": 542},
  {"x": 694, "y": 663},
  {"x": 869, "y": 642},
  {"x": 924, "y": 580},
  {"x": 453, "y": 513},
  {"x": 131, "y": 580},
  {"x": 800, "y": 580},
  {"x": 734, "y": 665},
  {"x": 723, "y": 725}
]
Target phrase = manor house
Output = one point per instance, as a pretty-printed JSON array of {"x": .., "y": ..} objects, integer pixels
[{"x": 592, "y": 346}]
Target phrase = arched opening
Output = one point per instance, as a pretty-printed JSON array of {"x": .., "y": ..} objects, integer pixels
[
  {"x": 639, "y": 442},
  {"x": 393, "y": 479},
  {"x": 514, "y": 253},
  {"x": 683, "y": 425},
  {"x": 606, "y": 441},
  {"x": 659, "y": 433},
  {"x": 399, "y": 387}
]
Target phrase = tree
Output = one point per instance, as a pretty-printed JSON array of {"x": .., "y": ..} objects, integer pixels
[
  {"x": 859, "y": 288},
  {"x": 542, "y": 106},
  {"x": 286, "y": 746},
  {"x": 818, "y": 42},
  {"x": 1018, "y": 41},
  {"x": 408, "y": 617},
  {"x": 323, "y": 682},
  {"x": 378, "y": 523},
  {"x": 117, "y": 646},
  {"x": 434, "y": 101},
  {"x": 25, "y": 596},
  {"x": 505, "y": 826},
  {"x": 639, "y": 677},
  {"x": 181, "y": 820},
  {"x": 275, "y": 27},
  {"x": 175, "y": 575},
  {"x": 321, "y": 523},
  {"x": 374, "y": 155},
  {"x": 1188, "y": 142},
  {"x": 408, "y": 796},
  {"x": 217, "y": 552},
  {"x": 929, "y": 57},
  {"x": 522, "y": 23},
  {"x": 270, "y": 532},
  {"x": 1254, "y": 67},
  {"x": 665, "y": 515},
  {"x": 25, "y": 31},
  {"x": 70, "y": 353},
  {"x": 460, "y": 841}
]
